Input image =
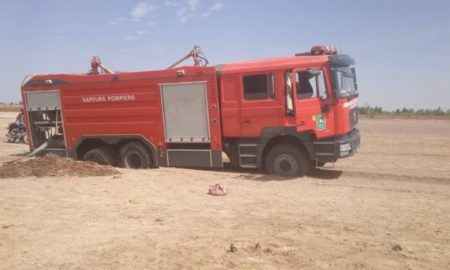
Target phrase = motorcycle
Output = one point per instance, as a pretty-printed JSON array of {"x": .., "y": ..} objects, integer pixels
[{"x": 17, "y": 133}]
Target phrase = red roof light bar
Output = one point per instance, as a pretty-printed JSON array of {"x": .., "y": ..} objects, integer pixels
[{"x": 323, "y": 50}]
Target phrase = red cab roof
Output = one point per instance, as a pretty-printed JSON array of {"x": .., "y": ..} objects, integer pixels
[{"x": 273, "y": 64}]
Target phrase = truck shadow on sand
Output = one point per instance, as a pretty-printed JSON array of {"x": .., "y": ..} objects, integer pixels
[
  {"x": 253, "y": 174},
  {"x": 318, "y": 174}
]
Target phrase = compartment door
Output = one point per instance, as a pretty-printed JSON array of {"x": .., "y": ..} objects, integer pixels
[{"x": 185, "y": 111}]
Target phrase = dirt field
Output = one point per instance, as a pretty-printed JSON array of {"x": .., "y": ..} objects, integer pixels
[
  {"x": 10, "y": 108},
  {"x": 388, "y": 207}
]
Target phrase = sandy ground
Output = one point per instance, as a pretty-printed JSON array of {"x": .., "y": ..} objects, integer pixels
[{"x": 385, "y": 208}]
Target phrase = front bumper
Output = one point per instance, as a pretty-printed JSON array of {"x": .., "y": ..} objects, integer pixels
[{"x": 330, "y": 150}]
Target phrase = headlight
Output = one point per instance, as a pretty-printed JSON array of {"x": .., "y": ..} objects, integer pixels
[{"x": 345, "y": 147}]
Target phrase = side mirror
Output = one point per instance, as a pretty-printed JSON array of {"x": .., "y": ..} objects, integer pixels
[
  {"x": 354, "y": 78},
  {"x": 313, "y": 72}
]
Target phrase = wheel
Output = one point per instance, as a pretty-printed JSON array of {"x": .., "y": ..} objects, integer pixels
[
  {"x": 135, "y": 155},
  {"x": 102, "y": 155},
  {"x": 287, "y": 160},
  {"x": 10, "y": 139},
  {"x": 25, "y": 139}
]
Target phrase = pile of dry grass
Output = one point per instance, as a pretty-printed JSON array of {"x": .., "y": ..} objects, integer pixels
[{"x": 53, "y": 165}]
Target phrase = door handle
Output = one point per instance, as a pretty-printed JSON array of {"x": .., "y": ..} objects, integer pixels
[{"x": 246, "y": 121}]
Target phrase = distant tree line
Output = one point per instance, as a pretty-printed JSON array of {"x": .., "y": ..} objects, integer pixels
[
  {"x": 378, "y": 110},
  {"x": 10, "y": 103},
  {"x": 367, "y": 110}
]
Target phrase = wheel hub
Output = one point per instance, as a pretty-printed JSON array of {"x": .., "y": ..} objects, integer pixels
[
  {"x": 285, "y": 165},
  {"x": 133, "y": 161}
]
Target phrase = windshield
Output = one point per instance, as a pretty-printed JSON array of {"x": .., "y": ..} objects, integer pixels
[{"x": 344, "y": 81}]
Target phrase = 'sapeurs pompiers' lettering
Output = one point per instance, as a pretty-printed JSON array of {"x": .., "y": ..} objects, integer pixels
[{"x": 115, "y": 98}]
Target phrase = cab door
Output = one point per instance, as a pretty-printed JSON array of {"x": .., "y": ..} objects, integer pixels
[
  {"x": 312, "y": 104},
  {"x": 258, "y": 103}
]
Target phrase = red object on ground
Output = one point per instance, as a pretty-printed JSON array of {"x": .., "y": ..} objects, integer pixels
[{"x": 217, "y": 190}]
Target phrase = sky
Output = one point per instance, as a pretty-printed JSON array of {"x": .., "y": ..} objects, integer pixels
[{"x": 401, "y": 47}]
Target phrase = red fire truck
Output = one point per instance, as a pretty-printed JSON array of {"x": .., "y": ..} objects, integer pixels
[{"x": 282, "y": 115}]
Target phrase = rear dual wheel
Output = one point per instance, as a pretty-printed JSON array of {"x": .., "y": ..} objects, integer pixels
[
  {"x": 135, "y": 155},
  {"x": 101, "y": 155}
]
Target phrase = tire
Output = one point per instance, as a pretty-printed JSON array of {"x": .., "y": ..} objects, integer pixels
[
  {"x": 24, "y": 139},
  {"x": 287, "y": 160},
  {"x": 134, "y": 155},
  {"x": 10, "y": 139},
  {"x": 102, "y": 155}
]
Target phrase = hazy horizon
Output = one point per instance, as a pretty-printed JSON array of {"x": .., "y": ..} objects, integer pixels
[{"x": 400, "y": 48}]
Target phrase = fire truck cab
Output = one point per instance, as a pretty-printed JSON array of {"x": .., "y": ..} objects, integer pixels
[
  {"x": 285, "y": 115},
  {"x": 282, "y": 115}
]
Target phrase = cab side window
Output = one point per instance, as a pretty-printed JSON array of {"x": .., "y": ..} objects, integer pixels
[
  {"x": 261, "y": 86},
  {"x": 309, "y": 86},
  {"x": 306, "y": 85}
]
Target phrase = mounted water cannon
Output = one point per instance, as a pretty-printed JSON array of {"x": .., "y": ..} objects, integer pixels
[
  {"x": 197, "y": 54},
  {"x": 96, "y": 63}
]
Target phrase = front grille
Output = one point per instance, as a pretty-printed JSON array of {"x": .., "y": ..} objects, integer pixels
[{"x": 353, "y": 116}]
